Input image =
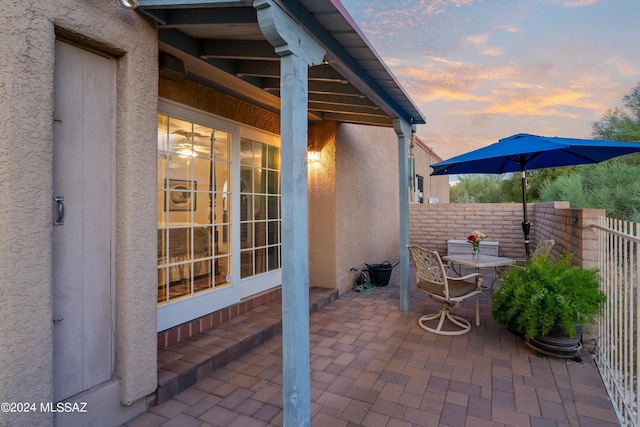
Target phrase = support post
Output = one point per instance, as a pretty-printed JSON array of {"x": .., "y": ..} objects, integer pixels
[
  {"x": 298, "y": 51},
  {"x": 526, "y": 225},
  {"x": 404, "y": 131}
]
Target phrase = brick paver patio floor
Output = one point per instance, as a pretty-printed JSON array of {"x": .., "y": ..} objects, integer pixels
[{"x": 371, "y": 365}]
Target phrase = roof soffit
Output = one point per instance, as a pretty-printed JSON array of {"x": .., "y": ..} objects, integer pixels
[{"x": 222, "y": 46}]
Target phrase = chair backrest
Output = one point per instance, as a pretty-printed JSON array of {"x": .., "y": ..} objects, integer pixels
[
  {"x": 544, "y": 248},
  {"x": 429, "y": 267}
]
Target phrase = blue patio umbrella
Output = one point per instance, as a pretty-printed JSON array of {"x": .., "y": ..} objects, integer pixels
[{"x": 522, "y": 152}]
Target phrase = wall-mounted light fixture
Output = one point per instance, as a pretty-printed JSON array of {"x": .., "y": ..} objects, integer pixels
[
  {"x": 313, "y": 156},
  {"x": 313, "y": 153},
  {"x": 128, "y": 4}
]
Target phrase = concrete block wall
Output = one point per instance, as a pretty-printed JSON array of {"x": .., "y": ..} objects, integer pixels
[
  {"x": 432, "y": 225},
  {"x": 570, "y": 229}
]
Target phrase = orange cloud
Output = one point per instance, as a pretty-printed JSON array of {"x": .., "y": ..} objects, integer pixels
[
  {"x": 540, "y": 104},
  {"x": 507, "y": 28},
  {"x": 623, "y": 66},
  {"x": 492, "y": 51},
  {"x": 477, "y": 39},
  {"x": 453, "y": 143},
  {"x": 534, "y": 91}
]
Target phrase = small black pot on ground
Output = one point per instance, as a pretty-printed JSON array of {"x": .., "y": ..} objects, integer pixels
[{"x": 380, "y": 274}]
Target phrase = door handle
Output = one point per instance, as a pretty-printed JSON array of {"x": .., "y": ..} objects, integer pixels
[{"x": 59, "y": 200}]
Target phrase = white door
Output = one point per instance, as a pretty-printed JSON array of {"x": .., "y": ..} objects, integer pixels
[{"x": 83, "y": 249}]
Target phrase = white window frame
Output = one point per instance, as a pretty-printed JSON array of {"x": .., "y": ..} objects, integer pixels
[
  {"x": 270, "y": 279},
  {"x": 177, "y": 312}
]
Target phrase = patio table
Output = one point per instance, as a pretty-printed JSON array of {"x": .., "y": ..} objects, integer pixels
[{"x": 483, "y": 261}]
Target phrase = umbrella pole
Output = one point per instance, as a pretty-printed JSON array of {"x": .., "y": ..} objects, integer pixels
[{"x": 526, "y": 225}]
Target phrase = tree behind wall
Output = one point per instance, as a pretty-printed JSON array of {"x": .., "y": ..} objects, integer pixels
[
  {"x": 511, "y": 187},
  {"x": 613, "y": 185},
  {"x": 621, "y": 123},
  {"x": 503, "y": 188},
  {"x": 476, "y": 189}
]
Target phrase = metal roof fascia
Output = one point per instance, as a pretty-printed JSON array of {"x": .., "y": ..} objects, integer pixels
[{"x": 180, "y": 3}]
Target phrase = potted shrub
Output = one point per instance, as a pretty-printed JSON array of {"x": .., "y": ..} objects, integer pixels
[{"x": 548, "y": 302}]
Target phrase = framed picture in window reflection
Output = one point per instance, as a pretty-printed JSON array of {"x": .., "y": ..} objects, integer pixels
[{"x": 181, "y": 195}]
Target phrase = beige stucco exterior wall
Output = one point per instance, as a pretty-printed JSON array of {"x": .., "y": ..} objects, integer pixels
[
  {"x": 322, "y": 206},
  {"x": 439, "y": 188},
  {"x": 368, "y": 222},
  {"x": 27, "y": 38},
  {"x": 212, "y": 101},
  {"x": 433, "y": 186}
]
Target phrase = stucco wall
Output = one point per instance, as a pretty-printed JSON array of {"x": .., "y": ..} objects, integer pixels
[
  {"x": 27, "y": 38},
  {"x": 322, "y": 206},
  {"x": 212, "y": 101},
  {"x": 433, "y": 186},
  {"x": 439, "y": 187},
  {"x": 367, "y": 205}
]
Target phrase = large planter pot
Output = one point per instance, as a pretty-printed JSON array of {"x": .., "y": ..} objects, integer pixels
[{"x": 558, "y": 343}]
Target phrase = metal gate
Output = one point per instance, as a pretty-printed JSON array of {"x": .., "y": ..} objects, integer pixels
[{"x": 616, "y": 352}]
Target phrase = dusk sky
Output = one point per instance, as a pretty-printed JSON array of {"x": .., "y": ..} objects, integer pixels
[{"x": 484, "y": 70}]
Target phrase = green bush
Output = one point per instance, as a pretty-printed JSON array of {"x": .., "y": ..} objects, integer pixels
[
  {"x": 612, "y": 185},
  {"x": 476, "y": 189},
  {"x": 532, "y": 299}
]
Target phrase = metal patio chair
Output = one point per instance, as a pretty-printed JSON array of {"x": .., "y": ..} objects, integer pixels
[
  {"x": 543, "y": 248},
  {"x": 447, "y": 292}
]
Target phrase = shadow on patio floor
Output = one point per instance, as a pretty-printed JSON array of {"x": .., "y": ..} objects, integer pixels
[{"x": 372, "y": 365}]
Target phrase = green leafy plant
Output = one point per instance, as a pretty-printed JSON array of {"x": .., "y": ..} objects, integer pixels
[
  {"x": 610, "y": 185},
  {"x": 532, "y": 299}
]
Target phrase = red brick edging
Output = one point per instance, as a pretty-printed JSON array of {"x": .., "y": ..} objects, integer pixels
[{"x": 196, "y": 326}]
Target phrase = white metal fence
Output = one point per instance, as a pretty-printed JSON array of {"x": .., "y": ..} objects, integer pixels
[{"x": 616, "y": 351}]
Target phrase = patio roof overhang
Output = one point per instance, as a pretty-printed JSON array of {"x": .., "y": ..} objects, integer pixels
[
  {"x": 221, "y": 45},
  {"x": 235, "y": 46}
]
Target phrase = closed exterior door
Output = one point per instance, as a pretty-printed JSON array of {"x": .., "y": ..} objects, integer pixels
[{"x": 83, "y": 246}]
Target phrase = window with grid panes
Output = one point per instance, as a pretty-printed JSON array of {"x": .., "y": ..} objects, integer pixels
[
  {"x": 194, "y": 200},
  {"x": 260, "y": 237}
]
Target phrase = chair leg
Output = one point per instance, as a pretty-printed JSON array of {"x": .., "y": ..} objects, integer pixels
[{"x": 445, "y": 314}]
